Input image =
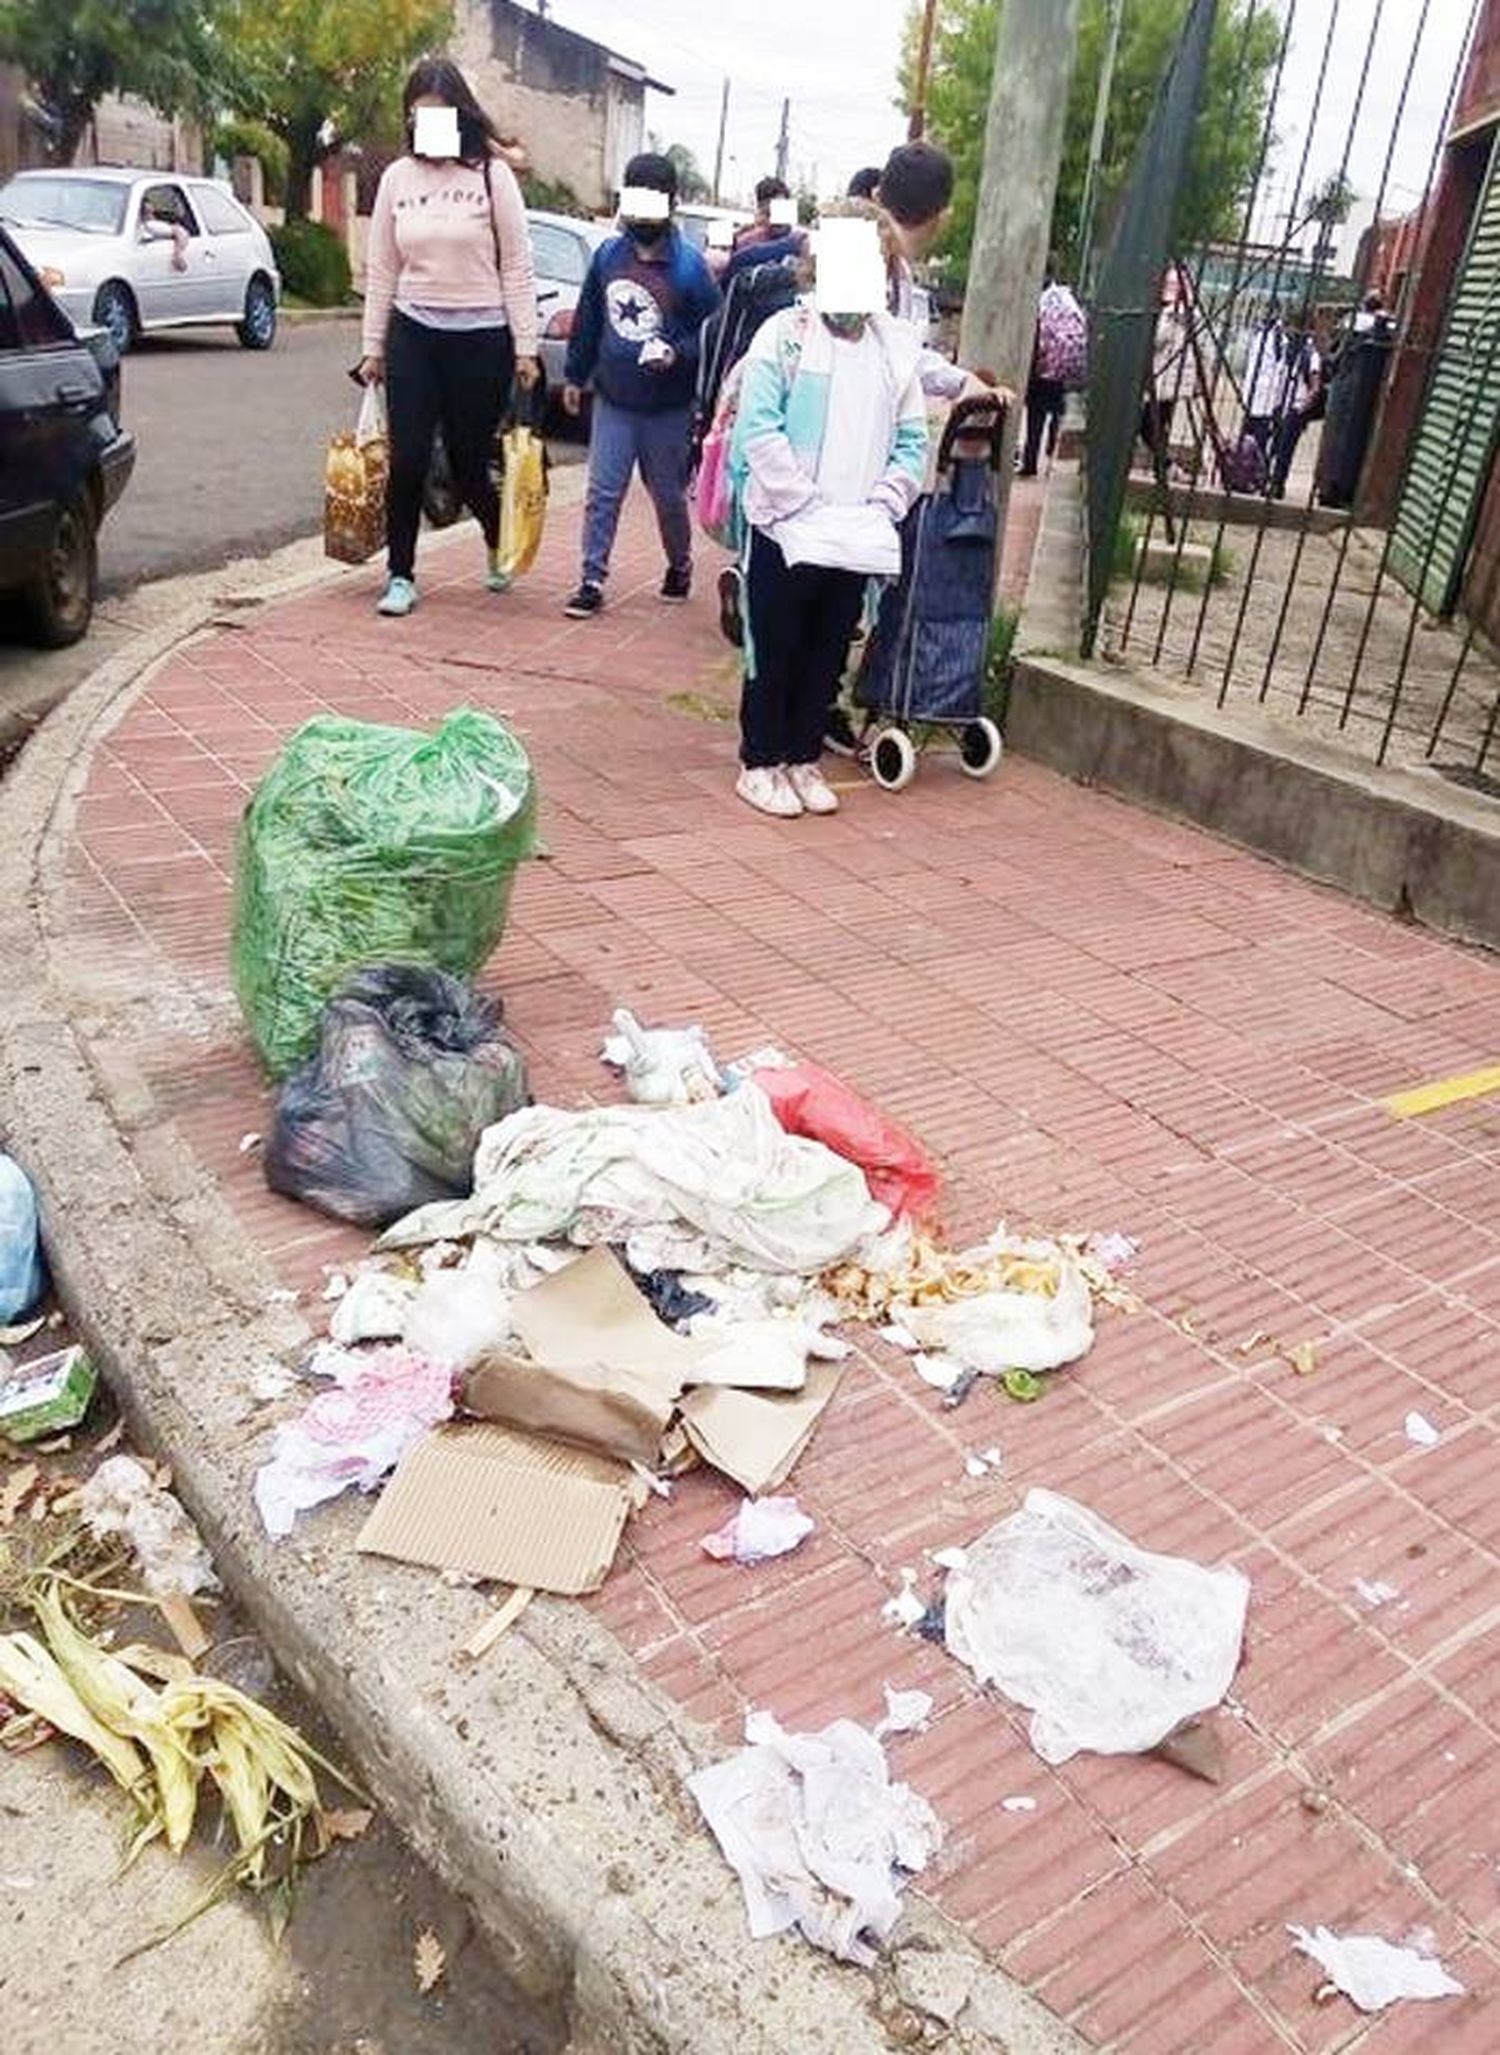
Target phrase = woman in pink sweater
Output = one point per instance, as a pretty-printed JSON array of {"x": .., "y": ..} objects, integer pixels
[{"x": 450, "y": 309}]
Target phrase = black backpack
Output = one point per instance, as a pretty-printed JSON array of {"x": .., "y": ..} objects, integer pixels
[{"x": 754, "y": 295}]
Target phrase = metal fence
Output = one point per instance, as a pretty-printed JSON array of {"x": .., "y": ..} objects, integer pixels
[{"x": 1292, "y": 498}]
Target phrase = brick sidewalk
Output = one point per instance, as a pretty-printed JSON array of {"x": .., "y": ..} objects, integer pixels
[{"x": 1096, "y": 1019}]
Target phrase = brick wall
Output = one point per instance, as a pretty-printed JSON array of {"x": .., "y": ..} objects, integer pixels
[{"x": 558, "y": 110}]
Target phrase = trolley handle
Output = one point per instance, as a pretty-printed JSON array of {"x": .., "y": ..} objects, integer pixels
[{"x": 982, "y": 413}]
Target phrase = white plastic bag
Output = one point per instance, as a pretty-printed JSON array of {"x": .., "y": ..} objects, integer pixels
[
  {"x": 661, "y": 1066},
  {"x": 371, "y": 425},
  {"x": 20, "y": 1243},
  {"x": 1372, "y": 1972},
  {"x": 1011, "y": 1330},
  {"x": 1110, "y": 1646}
]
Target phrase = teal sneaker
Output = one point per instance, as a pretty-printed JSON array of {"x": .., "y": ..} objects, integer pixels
[
  {"x": 398, "y": 599},
  {"x": 495, "y": 579}
]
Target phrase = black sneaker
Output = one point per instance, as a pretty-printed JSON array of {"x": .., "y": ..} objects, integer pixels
[
  {"x": 587, "y": 601},
  {"x": 677, "y": 586},
  {"x": 839, "y": 738},
  {"x": 732, "y": 606}
]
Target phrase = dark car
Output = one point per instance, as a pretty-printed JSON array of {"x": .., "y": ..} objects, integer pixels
[{"x": 64, "y": 458}]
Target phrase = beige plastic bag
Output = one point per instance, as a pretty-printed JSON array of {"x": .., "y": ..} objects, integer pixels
[{"x": 355, "y": 481}]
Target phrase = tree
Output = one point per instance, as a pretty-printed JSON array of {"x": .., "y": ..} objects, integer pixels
[
  {"x": 1227, "y": 146},
  {"x": 319, "y": 73},
  {"x": 76, "y": 52},
  {"x": 691, "y": 184}
]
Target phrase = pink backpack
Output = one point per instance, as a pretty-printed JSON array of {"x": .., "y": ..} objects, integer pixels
[{"x": 1062, "y": 341}]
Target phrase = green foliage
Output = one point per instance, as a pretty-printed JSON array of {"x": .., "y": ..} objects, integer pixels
[
  {"x": 1000, "y": 663},
  {"x": 314, "y": 263},
  {"x": 75, "y": 52},
  {"x": 1227, "y": 144},
  {"x": 320, "y": 74},
  {"x": 691, "y": 184},
  {"x": 551, "y": 196},
  {"x": 1127, "y": 545},
  {"x": 253, "y": 139}
]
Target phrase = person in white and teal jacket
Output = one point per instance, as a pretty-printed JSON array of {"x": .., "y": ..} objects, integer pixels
[{"x": 829, "y": 453}]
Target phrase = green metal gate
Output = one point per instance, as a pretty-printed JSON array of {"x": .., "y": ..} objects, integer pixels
[{"x": 1457, "y": 434}]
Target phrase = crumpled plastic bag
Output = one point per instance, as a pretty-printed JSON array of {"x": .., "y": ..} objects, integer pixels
[
  {"x": 661, "y": 1066},
  {"x": 1110, "y": 1646},
  {"x": 122, "y": 1497},
  {"x": 364, "y": 845},
  {"x": 758, "y": 1530},
  {"x": 1372, "y": 1972},
  {"x": 817, "y": 1833},
  {"x": 811, "y": 1101},
  {"x": 412, "y": 1067},
  {"x": 716, "y": 1185},
  {"x": 1011, "y": 1330},
  {"x": 355, "y": 1435},
  {"x": 21, "y": 1279},
  {"x": 458, "y": 1316}
]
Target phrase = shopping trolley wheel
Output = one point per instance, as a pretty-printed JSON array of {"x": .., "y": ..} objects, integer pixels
[
  {"x": 980, "y": 748},
  {"x": 893, "y": 758}
]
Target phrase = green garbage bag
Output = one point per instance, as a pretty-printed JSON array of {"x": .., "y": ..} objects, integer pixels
[{"x": 366, "y": 844}]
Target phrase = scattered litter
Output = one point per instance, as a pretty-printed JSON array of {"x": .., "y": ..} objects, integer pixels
[
  {"x": 374, "y": 1308},
  {"x": 906, "y": 1712},
  {"x": 411, "y": 1067},
  {"x": 756, "y": 1437},
  {"x": 122, "y": 1498},
  {"x": 1374, "y": 1594},
  {"x": 365, "y": 842},
  {"x": 811, "y": 1101},
  {"x": 1111, "y": 1647},
  {"x": 250, "y": 1143},
  {"x": 950, "y": 1558},
  {"x": 1373, "y": 1972},
  {"x": 21, "y": 1279},
  {"x": 721, "y": 1182},
  {"x": 760, "y": 1529},
  {"x": 461, "y": 1316},
  {"x": 21, "y": 1331},
  {"x": 661, "y": 1066},
  {"x": 905, "y": 1609},
  {"x": 497, "y": 1626},
  {"x": 901, "y": 1337},
  {"x": 335, "y": 1288},
  {"x": 659, "y": 1487},
  {"x": 1021, "y": 1386},
  {"x": 353, "y": 1435},
  {"x": 46, "y": 1396},
  {"x": 670, "y": 1299},
  {"x": 517, "y": 1508},
  {"x": 272, "y": 1382},
  {"x": 1018, "y": 1805},
  {"x": 1259, "y": 1340},
  {"x": 429, "y": 1960},
  {"x": 1197, "y": 1748},
  {"x": 1419, "y": 1429},
  {"x": 941, "y": 1372},
  {"x": 1112, "y": 1252},
  {"x": 1021, "y": 1329},
  {"x": 819, "y": 1836},
  {"x": 16, "y": 1489}
]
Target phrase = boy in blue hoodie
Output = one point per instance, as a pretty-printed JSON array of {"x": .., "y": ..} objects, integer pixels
[{"x": 635, "y": 338}]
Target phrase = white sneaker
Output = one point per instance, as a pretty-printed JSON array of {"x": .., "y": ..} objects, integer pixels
[
  {"x": 812, "y": 788},
  {"x": 399, "y": 598},
  {"x": 769, "y": 792}
]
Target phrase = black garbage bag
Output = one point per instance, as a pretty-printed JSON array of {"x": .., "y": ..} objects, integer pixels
[{"x": 412, "y": 1066}]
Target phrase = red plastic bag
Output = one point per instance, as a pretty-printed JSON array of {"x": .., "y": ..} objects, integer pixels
[{"x": 811, "y": 1101}]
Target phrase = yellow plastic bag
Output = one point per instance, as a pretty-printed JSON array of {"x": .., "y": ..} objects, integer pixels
[
  {"x": 355, "y": 486},
  {"x": 523, "y": 500}
]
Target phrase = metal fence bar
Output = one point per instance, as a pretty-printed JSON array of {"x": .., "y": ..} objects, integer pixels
[
  {"x": 1260, "y": 533},
  {"x": 1121, "y": 325},
  {"x": 1450, "y": 694}
]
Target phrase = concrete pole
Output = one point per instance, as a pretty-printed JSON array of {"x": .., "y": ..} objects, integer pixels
[
  {"x": 719, "y": 153},
  {"x": 1096, "y": 146},
  {"x": 1023, "y": 145},
  {"x": 784, "y": 140}
]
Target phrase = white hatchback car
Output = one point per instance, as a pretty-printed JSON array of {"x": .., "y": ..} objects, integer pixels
[{"x": 133, "y": 251}]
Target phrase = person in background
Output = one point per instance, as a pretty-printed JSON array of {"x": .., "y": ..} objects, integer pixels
[
  {"x": 718, "y": 245},
  {"x": 772, "y": 237},
  {"x": 1058, "y": 358},
  {"x": 829, "y": 451},
  {"x": 450, "y": 310},
  {"x": 635, "y": 339},
  {"x": 1267, "y": 386},
  {"x": 1306, "y": 400},
  {"x": 865, "y": 184},
  {"x": 1174, "y": 369}
]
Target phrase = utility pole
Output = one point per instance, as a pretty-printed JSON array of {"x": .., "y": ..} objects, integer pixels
[
  {"x": 719, "y": 154},
  {"x": 1023, "y": 146},
  {"x": 917, "y": 126},
  {"x": 784, "y": 140},
  {"x": 1096, "y": 146}
]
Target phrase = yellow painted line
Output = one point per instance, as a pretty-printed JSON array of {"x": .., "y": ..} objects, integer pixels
[{"x": 1448, "y": 1091}]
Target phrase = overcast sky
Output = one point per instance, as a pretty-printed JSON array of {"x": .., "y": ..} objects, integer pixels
[{"x": 836, "y": 60}]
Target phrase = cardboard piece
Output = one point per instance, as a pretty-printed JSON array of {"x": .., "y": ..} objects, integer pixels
[
  {"x": 494, "y": 1503},
  {"x": 601, "y": 1370},
  {"x": 756, "y": 1437}
]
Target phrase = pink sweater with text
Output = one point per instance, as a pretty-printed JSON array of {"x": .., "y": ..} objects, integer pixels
[{"x": 431, "y": 245}]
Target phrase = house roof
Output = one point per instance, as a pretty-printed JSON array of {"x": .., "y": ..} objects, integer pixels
[{"x": 637, "y": 74}]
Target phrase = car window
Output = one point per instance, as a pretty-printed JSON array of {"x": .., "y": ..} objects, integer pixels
[
  {"x": 28, "y": 318},
  {"x": 219, "y": 214},
  {"x": 94, "y": 205},
  {"x": 557, "y": 253},
  {"x": 169, "y": 204}
]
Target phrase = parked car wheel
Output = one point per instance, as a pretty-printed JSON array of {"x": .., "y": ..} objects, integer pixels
[
  {"x": 59, "y": 602},
  {"x": 258, "y": 329},
  {"x": 115, "y": 312}
]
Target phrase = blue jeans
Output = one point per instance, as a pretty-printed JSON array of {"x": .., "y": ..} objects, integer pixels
[{"x": 622, "y": 438}]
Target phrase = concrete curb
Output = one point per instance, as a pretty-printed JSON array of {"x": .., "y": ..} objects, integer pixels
[{"x": 546, "y": 1784}]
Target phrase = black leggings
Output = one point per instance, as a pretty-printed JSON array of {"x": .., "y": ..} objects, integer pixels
[
  {"x": 802, "y": 618},
  {"x": 1045, "y": 400},
  {"x": 459, "y": 379}
]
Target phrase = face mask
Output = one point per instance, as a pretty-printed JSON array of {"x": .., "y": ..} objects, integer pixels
[
  {"x": 849, "y": 326},
  {"x": 647, "y": 233}
]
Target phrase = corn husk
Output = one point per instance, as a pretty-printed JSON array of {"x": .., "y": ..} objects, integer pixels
[{"x": 31, "y": 1678}]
